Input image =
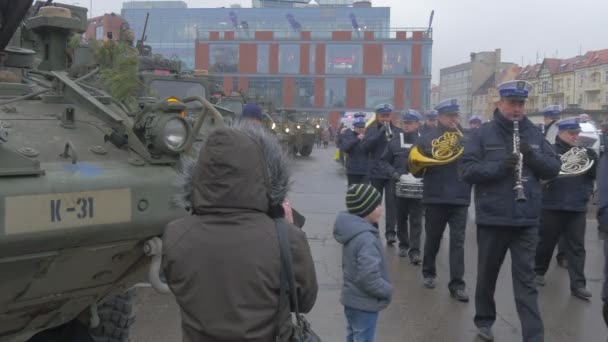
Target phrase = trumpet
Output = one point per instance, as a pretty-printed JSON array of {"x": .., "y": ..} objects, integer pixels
[
  {"x": 388, "y": 131},
  {"x": 519, "y": 185}
]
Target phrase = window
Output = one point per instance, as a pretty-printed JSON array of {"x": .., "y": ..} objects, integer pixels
[
  {"x": 379, "y": 91},
  {"x": 545, "y": 86},
  {"x": 263, "y": 58},
  {"x": 335, "y": 92},
  {"x": 223, "y": 58},
  {"x": 397, "y": 59},
  {"x": 594, "y": 77},
  {"x": 99, "y": 32},
  {"x": 266, "y": 89},
  {"x": 426, "y": 94},
  {"x": 343, "y": 59},
  {"x": 427, "y": 51},
  {"x": 304, "y": 92},
  {"x": 568, "y": 83},
  {"x": 407, "y": 94},
  {"x": 581, "y": 79},
  {"x": 606, "y": 76},
  {"x": 313, "y": 59},
  {"x": 289, "y": 58}
]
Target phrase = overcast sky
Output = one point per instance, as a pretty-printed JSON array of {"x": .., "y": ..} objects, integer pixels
[{"x": 523, "y": 29}]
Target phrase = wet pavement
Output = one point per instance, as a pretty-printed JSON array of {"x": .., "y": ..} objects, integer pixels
[{"x": 416, "y": 314}]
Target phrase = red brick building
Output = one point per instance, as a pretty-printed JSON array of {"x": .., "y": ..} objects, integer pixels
[
  {"x": 346, "y": 71},
  {"x": 100, "y": 26}
]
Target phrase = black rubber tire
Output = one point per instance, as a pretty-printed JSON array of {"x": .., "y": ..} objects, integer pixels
[
  {"x": 306, "y": 150},
  {"x": 116, "y": 317}
]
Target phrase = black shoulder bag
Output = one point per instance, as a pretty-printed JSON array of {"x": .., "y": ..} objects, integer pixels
[{"x": 302, "y": 330}]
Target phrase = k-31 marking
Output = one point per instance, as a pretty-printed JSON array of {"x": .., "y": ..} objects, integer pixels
[{"x": 47, "y": 212}]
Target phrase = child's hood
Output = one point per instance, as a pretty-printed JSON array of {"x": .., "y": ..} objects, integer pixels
[{"x": 347, "y": 226}]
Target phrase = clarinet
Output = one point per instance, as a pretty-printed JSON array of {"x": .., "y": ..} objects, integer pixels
[{"x": 519, "y": 186}]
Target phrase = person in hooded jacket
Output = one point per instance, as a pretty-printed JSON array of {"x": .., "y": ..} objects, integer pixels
[
  {"x": 503, "y": 222},
  {"x": 366, "y": 287},
  {"x": 222, "y": 263},
  {"x": 356, "y": 157},
  {"x": 408, "y": 209}
]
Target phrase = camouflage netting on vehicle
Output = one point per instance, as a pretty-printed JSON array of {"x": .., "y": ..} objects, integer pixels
[{"x": 157, "y": 62}]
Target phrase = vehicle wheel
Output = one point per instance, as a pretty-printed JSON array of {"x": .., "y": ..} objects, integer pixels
[
  {"x": 306, "y": 150},
  {"x": 116, "y": 318}
]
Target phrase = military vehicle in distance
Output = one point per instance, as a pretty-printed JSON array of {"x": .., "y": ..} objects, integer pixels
[
  {"x": 86, "y": 184},
  {"x": 298, "y": 132}
]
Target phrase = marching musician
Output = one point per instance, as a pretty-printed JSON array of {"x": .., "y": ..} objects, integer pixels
[
  {"x": 504, "y": 223},
  {"x": 430, "y": 122},
  {"x": 446, "y": 198},
  {"x": 474, "y": 123},
  {"x": 564, "y": 213},
  {"x": 374, "y": 143},
  {"x": 551, "y": 114},
  {"x": 395, "y": 156},
  {"x": 356, "y": 158}
]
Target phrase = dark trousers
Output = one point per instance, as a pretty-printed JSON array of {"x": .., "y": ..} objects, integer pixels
[
  {"x": 409, "y": 209},
  {"x": 356, "y": 179},
  {"x": 570, "y": 227},
  {"x": 493, "y": 243},
  {"x": 561, "y": 247},
  {"x": 436, "y": 218},
  {"x": 387, "y": 187},
  {"x": 605, "y": 287}
]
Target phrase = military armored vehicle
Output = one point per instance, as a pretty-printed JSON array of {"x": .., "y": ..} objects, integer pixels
[
  {"x": 86, "y": 184},
  {"x": 299, "y": 132}
]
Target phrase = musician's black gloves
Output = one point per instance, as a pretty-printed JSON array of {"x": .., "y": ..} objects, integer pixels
[
  {"x": 510, "y": 162},
  {"x": 591, "y": 154},
  {"x": 524, "y": 147},
  {"x": 396, "y": 176}
]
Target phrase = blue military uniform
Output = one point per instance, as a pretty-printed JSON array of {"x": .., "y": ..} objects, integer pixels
[
  {"x": 602, "y": 220},
  {"x": 375, "y": 142},
  {"x": 446, "y": 198},
  {"x": 356, "y": 157},
  {"x": 395, "y": 161},
  {"x": 564, "y": 217},
  {"x": 502, "y": 222}
]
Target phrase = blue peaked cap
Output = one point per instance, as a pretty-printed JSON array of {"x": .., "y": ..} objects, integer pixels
[
  {"x": 359, "y": 115},
  {"x": 475, "y": 118},
  {"x": 385, "y": 108},
  {"x": 431, "y": 114},
  {"x": 554, "y": 110},
  {"x": 359, "y": 122},
  {"x": 516, "y": 89},
  {"x": 411, "y": 115},
  {"x": 252, "y": 110},
  {"x": 447, "y": 106},
  {"x": 570, "y": 124}
]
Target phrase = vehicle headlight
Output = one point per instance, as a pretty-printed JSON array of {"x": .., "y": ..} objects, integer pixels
[
  {"x": 287, "y": 130},
  {"x": 274, "y": 125},
  {"x": 172, "y": 133},
  {"x": 318, "y": 126},
  {"x": 298, "y": 127}
]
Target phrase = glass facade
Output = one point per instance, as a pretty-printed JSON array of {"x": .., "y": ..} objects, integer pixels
[
  {"x": 407, "y": 94},
  {"x": 289, "y": 58},
  {"x": 223, "y": 58},
  {"x": 397, "y": 59},
  {"x": 266, "y": 89},
  {"x": 379, "y": 91},
  {"x": 313, "y": 58},
  {"x": 335, "y": 92},
  {"x": 304, "y": 92},
  {"x": 426, "y": 95},
  {"x": 263, "y": 58},
  {"x": 343, "y": 59},
  {"x": 427, "y": 51},
  {"x": 178, "y": 28}
]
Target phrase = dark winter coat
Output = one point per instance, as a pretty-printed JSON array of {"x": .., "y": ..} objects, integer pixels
[
  {"x": 374, "y": 144},
  {"x": 569, "y": 193},
  {"x": 482, "y": 164},
  {"x": 442, "y": 184},
  {"x": 223, "y": 262},
  {"x": 366, "y": 285},
  {"x": 397, "y": 151},
  {"x": 602, "y": 186},
  {"x": 356, "y": 159}
]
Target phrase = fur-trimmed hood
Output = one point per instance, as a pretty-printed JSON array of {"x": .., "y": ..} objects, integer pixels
[{"x": 238, "y": 167}]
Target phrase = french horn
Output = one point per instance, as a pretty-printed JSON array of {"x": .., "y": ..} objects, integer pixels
[
  {"x": 575, "y": 162},
  {"x": 444, "y": 150}
]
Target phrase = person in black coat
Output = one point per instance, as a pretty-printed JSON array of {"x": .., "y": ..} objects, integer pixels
[
  {"x": 446, "y": 198},
  {"x": 564, "y": 214},
  {"x": 504, "y": 223},
  {"x": 602, "y": 220},
  {"x": 356, "y": 157},
  {"x": 395, "y": 158},
  {"x": 376, "y": 138},
  {"x": 430, "y": 122}
]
